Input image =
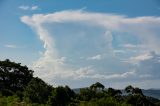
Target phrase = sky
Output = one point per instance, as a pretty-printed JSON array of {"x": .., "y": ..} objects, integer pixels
[{"x": 80, "y": 42}]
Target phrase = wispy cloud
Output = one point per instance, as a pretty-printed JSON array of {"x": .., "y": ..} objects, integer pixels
[
  {"x": 119, "y": 51},
  {"x": 10, "y": 46},
  {"x": 97, "y": 57},
  {"x": 142, "y": 57},
  {"x": 26, "y": 7},
  {"x": 130, "y": 46},
  {"x": 149, "y": 65},
  {"x": 34, "y": 8}
]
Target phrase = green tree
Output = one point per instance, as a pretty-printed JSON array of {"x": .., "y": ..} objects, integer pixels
[
  {"x": 13, "y": 76},
  {"x": 37, "y": 91},
  {"x": 136, "y": 97},
  {"x": 60, "y": 97},
  {"x": 138, "y": 100},
  {"x": 70, "y": 92},
  {"x": 131, "y": 90},
  {"x": 86, "y": 94},
  {"x": 97, "y": 86},
  {"x": 138, "y": 91},
  {"x": 113, "y": 92}
]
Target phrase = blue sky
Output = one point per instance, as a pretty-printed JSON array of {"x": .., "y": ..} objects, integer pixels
[{"x": 79, "y": 42}]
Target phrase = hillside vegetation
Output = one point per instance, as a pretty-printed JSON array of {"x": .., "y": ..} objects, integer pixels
[{"x": 18, "y": 87}]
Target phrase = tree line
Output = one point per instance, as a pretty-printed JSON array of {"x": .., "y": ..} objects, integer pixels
[{"x": 18, "y": 87}]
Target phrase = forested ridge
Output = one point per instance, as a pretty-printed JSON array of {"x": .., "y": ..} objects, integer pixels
[{"x": 18, "y": 87}]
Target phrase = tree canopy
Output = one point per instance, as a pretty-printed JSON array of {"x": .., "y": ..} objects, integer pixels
[
  {"x": 37, "y": 91},
  {"x": 14, "y": 76},
  {"x": 97, "y": 86}
]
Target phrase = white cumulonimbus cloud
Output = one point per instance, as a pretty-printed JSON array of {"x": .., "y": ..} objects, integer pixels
[{"x": 51, "y": 64}]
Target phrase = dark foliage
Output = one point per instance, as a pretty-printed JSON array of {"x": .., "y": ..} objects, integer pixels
[
  {"x": 13, "y": 77},
  {"x": 61, "y": 96},
  {"x": 37, "y": 91},
  {"x": 97, "y": 86}
]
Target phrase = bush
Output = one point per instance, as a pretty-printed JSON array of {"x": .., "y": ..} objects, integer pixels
[{"x": 103, "y": 102}]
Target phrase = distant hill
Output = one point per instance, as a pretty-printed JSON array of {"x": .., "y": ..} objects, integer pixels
[{"x": 152, "y": 93}]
